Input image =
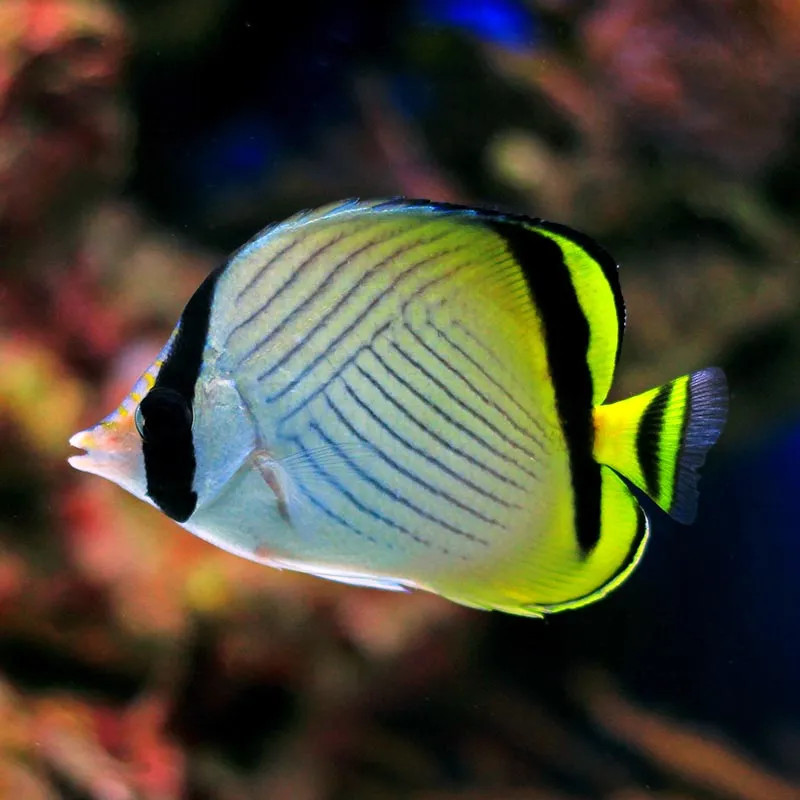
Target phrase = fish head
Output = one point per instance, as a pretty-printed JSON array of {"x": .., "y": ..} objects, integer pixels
[
  {"x": 176, "y": 450},
  {"x": 113, "y": 446},
  {"x": 113, "y": 450}
]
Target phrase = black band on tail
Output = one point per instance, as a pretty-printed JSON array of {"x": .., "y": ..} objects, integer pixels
[{"x": 648, "y": 439}]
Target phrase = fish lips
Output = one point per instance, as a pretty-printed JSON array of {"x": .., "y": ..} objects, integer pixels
[{"x": 112, "y": 451}]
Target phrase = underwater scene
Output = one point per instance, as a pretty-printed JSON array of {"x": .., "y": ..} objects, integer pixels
[{"x": 325, "y": 470}]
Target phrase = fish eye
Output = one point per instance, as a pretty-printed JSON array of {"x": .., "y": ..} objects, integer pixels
[
  {"x": 163, "y": 414},
  {"x": 138, "y": 420}
]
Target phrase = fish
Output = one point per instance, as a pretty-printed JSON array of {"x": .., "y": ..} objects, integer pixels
[{"x": 405, "y": 394}]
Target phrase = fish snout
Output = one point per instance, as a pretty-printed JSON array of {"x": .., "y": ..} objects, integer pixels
[{"x": 112, "y": 450}]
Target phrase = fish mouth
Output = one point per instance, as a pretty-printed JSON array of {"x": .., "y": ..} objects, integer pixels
[
  {"x": 103, "y": 454},
  {"x": 112, "y": 450},
  {"x": 80, "y": 442},
  {"x": 86, "y": 461}
]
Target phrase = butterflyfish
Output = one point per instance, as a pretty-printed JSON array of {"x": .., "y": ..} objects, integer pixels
[{"x": 409, "y": 395}]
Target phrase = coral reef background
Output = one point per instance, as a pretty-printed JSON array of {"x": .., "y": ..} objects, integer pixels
[{"x": 140, "y": 142}]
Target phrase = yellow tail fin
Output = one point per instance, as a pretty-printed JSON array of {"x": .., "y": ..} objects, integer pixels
[{"x": 658, "y": 440}]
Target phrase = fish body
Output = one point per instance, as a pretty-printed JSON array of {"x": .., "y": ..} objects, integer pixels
[{"x": 403, "y": 394}]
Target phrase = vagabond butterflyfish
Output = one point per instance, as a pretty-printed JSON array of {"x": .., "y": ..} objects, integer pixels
[{"x": 404, "y": 394}]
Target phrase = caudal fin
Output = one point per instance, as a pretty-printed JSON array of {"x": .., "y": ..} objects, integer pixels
[{"x": 658, "y": 440}]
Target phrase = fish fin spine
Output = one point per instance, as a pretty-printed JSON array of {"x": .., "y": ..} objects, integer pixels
[{"x": 658, "y": 440}]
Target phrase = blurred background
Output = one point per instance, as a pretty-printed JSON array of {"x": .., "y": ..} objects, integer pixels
[{"x": 140, "y": 142}]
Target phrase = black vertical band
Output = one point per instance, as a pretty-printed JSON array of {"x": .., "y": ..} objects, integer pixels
[
  {"x": 648, "y": 440},
  {"x": 608, "y": 266},
  {"x": 169, "y": 460},
  {"x": 566, "y": 335}
]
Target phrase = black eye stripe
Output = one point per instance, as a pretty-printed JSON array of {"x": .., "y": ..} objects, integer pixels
[{"x": 166, "y": 412}]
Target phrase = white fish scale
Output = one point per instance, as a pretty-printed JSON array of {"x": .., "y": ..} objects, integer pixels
[
  {"x": 489, "y": 368},
  {"x": 494, "y": 415},
  {"x": 278, "y": 313},
  {"x": 321, "y": 323},
  {"x": 407, "y": 471},
  {"x": 444, "y": 406},
  {"x": 368, "y": 493},
  {"x": 353, "y": 515},
  {"x": 412, "y": 419}
]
